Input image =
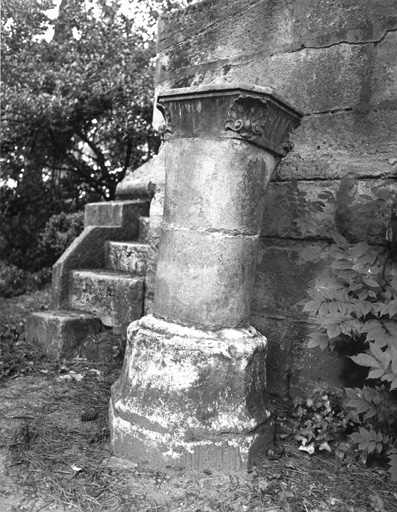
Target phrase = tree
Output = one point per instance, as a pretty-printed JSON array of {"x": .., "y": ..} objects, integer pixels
[
  {"x": 76, "y": 113},
  {"x": 76, "y": 109}
]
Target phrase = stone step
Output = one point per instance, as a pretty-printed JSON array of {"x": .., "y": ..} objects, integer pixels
[
  {"x": 115, "y": 297},
  {"x": 144, "y": 225},
  {"x": 126, "y": 257},
  {"x": 61, "y": 333}
]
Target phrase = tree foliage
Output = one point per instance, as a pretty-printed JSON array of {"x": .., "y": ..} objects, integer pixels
[
  {"x": 77, "y": 86},
  {"x": 77, "y": 106}
]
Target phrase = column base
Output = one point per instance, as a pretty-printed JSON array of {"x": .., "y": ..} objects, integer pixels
[{"x": 191, "y": 399}]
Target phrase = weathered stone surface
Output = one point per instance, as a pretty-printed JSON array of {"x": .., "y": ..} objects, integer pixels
[
  {"x": 313, "y": 67},
  {"x": 156, "y": 217},
  {"x": 216, "y": 185},
  {"x": 144, "y": 226},
  {"x": 285, "y": 270},
  {"x": 220, "y": 36},
  {"x": 211, "y": 29},
  {"x": 222, "y": 146},
  {"x": 61, "y": 333},
  {"x": 294, "y": 370},
  {"x": 121, "y": 214},
  {"x": 142, "y": 182},
  {"x": 126, "y": 257},
  {"x": 189, "y": 398},
  {"x": 115, "y": 297},
  {"x": 118, "y": 221},
  {"x": 336, "y": 61},
  {"x": 329, "y": 146},
  {"x": 353, "y": 208},
  {"x": 205, "y": 278}
]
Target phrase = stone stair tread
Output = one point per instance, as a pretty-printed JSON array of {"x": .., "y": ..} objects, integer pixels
[
  {"x": 115, "y": 297},
  {"x": 140, "y": 245},
  {"x": 60, "y": 332},
  {"x": 107, "y": 274},
  {"x": 64, "y": 313}
]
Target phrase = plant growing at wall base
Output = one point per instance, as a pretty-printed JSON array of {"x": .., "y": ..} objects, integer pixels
[{"x": 359, "y": 304}]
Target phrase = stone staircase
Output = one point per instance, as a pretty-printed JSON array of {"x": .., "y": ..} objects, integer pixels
[{"x": 98, "y": 283}]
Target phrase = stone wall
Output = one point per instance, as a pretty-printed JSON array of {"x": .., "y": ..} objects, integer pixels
[{"x": 336, "y": 61}]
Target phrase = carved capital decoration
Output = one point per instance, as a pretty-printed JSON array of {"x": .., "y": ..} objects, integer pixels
[
  {"x": 167, "y": 126},
  {"x": 261, "y": 122},
  {"x": 253, "y": 114},
  {"x": 247, "y": 117}
]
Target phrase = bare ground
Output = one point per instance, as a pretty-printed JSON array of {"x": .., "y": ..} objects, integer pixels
[{"x": 52, "y": 460}]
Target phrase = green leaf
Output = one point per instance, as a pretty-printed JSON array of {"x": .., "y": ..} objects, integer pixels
[
  {"x": 376, "y": 374},
  {"x": 365, "y": 360},
  {"x": 341, "y": 264}
]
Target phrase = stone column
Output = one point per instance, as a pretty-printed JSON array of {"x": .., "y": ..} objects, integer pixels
[{"x": 192, "y": 392}]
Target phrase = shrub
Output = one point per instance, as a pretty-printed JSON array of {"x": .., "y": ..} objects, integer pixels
[
  {"x": 59, "y": 233},
  {"x": 360, "y": 305},
  {"x": 14, "y": 281}
]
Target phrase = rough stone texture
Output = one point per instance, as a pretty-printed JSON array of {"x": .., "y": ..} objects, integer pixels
[
  {"x": 212, "y": 212},
  {"x": 142, "y": 182},
  {"x": 126, "y": 257},
  {"x": 190, "y": 398},
  {"x": 222, "y": 145},
  {"x": 116, "y": 221},
  {"x": 61, "y": 333},
  {"x": 205, "y": 278},
  {"x": 196, "y": 396},
  {"x": 156, "y": 217},
  {"x": 115, "y": 297},
  {"x": 216, "y": 185},
  {"x": 337, "y": 62},
  {"x": 123, "y": 214}
]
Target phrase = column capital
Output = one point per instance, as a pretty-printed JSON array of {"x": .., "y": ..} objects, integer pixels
[{"x": 240, "y": 111}]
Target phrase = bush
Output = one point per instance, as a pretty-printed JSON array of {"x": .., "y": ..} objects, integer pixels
[
  {"x": 59, "y": 233},
  {"x": 360, "y": 305},
  {"x": 14, "y": 281}
]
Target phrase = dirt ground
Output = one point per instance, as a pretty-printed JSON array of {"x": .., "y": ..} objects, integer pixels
[{"x": 54, "y": 456}]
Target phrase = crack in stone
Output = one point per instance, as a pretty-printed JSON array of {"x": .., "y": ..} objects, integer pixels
[
  {"x": 231, "y": 233},
  {"x": 259, "y": 56},
  {"x": 375, "y": 41},
  {"x": 332, "y": 111}
]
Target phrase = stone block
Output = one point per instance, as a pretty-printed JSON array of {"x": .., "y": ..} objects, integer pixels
[
  {"x": 355, "y": 209},
  {"x": 313, "y": 67},
  {"x": 115, "y": 297},
  {"x": 363, "y": 144},
  {"x": 295, "y": 370},
  {"x": 205, "y": 278},
  {"x": 126, "y": 257},
  {"x": 384, "y": 75},
  {"x": 225, "y": 34},
  {"x": 123, "y": 214},
  {"x": 61, "y": 333},
  {"x": 285, "y": 270},
  {"x": 143, "y": 182},
  {"x": 190, "y": 398},
  {"x": 216, "y": 185}
]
